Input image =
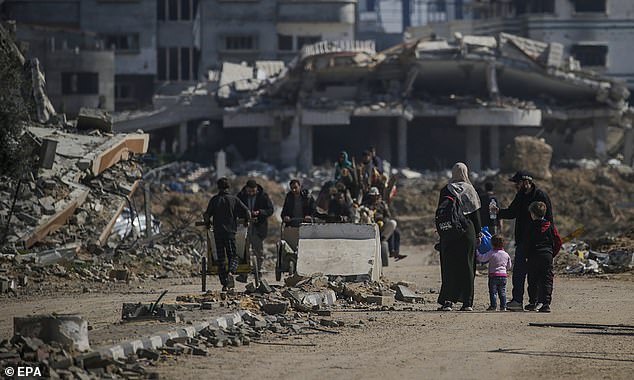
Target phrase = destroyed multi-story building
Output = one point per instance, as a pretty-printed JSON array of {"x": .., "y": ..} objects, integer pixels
[
  {"x": 597, "y": 33},
  {"x": 423, "y": 104}
]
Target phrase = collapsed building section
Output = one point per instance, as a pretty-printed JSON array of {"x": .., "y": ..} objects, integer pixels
[
  {"x": 74, "y": 163},
  {"x": 424, "y": 103}
]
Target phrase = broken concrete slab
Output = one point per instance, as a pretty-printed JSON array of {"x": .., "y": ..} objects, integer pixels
[
  {"x": 339, "y": 249},
  {"x": 48, "y": 205},
  {"x": 113, "y": 150},
  {"x": 149, "y": 354},
  {"x": 90, "y": 118},
  {"x": 69, "y": 330},
  {"x": 405, "y": 294},
  {"x": 274, "y": 307},
  {"x": 380, "y": 300},
  {"x": 77, "y": 198},
  {"x": 264, "y": 287}
]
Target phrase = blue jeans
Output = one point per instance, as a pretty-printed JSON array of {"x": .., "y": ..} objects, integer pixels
[
  {"x": 519, "y": 272},
  {"x": 497, "y": 286}
]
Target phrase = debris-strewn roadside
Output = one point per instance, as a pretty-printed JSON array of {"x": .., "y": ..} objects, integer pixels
[{"x": 268, "y": 314}]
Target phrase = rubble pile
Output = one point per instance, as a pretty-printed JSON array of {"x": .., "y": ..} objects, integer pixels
[
  {"x": 31, "y": 201},
  {"x": 51, "y": 361},
  {"x": 272, "y": 315},
  {"x": 606, "y": 254},
  {"x": 530, "y": 154}
]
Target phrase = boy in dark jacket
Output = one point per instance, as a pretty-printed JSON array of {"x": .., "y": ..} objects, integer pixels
[
  {"x": 223, "y": 211},
  {"x": 544, "y": 243}
]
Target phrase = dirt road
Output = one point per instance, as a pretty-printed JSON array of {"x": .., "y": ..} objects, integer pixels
[
  {"x": 406, "y": 344},
  {"x": 457, "y": 345}
]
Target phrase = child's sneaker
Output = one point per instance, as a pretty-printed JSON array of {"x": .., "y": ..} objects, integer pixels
[
  {"x": 504, "y": 309},
  {"x": 545, "y": 309},
  {"x": 491, "y": 308},
  {"x": 530, "y": 307}
]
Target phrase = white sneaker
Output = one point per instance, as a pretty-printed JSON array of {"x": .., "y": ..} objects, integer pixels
[{"x": 515, "y": 306}]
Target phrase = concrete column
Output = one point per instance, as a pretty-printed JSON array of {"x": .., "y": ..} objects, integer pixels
[
  {"x": 383, "y": 144},
  {"x": 473, "y": 148},
  {"x": 182, "y": 138},
  {"x": 305, "y": 158},
  {"x": 270, "y": 143},
  {"x": 628, "y": 146},
  {"x": 494, "y": 147},
  {"x": 600, "y": 133},
  {"x": 401, "y": 142}
]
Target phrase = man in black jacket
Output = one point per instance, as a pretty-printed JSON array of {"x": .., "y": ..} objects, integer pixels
[
  {"x": 527, "y": 193},
  {"x": 299, "y": 205},
  {"x": 224, "y": 209},
  {"x": 261, "y": 208}
]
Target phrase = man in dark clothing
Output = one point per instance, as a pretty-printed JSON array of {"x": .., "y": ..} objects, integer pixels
[
  {"x": 261, "y": 208},
  {"x": 339, "y": 205},
  {"x": 377, "y": 161},
  {"x": 544, "y": 243},
  {"x": 527, "y": 193},
  {"x": 486, "y": 199},
  {"x": 223, "y": 211},
  {"x": 299, "y": 205}
]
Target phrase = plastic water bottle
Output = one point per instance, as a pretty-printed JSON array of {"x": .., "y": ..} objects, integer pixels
[{"x": 492, "y": 214}]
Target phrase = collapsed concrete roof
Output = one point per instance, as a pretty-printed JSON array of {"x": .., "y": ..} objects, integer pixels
[
  {"x": 71, "y": 154},
  {"x": 431, "y": 78}
]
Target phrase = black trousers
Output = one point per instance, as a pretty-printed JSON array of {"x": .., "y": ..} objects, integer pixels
[
  {"x": 226, "y": 250},
  {"x": 540, "y": 278}
]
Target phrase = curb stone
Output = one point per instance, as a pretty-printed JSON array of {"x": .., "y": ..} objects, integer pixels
[{"x": 152, "y": 342}]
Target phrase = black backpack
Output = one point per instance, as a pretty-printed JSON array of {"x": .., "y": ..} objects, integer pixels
[{"x": 450, "y": 220}]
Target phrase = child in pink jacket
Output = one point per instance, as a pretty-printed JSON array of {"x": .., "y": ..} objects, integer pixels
[{"x": 499, "y": 263}]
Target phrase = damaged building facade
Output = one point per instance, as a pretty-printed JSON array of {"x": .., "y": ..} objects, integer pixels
[
  {"x": 427, "y": 103},
  {"x": 597, "y": 33}
]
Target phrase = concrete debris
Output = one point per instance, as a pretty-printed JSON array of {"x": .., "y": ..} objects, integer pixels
[
  {"x": 52, "y": 206},
  {"x": 529, "y": 154},
  {"x": 380, "y": 300},
  {"x": 509, "y": 65},
  {"x": 405, "y": 294},
  {"x": 274, "y": 307},
  {"x": 69, "y": 330},
  {"x": 342, "y": 249},
  {"x": 608, "y": 254},
  {"x": 51, "y": 361},
  {"x": 91, "y": 119}
]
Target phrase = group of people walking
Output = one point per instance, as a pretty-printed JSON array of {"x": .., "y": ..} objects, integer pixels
[
  {"x": 253, "y": 205},
  {"x": 458, "y": 222}
]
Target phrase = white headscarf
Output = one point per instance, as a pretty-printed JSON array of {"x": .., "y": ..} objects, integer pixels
[{"x": 460, "y": 186}]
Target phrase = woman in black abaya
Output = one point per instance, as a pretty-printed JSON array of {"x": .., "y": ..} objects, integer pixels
[{"x": 457, "y": 255}]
